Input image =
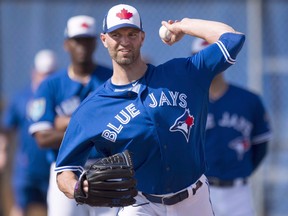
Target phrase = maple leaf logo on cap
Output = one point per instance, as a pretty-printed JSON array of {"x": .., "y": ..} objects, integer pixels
[
  {"x": 124, "y": 14},
  {"x": 85, "y": 25}
]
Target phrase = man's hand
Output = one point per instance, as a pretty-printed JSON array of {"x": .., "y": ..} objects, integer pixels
[{"x": 66, "y": 182}]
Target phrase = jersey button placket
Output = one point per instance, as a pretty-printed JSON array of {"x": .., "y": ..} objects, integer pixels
[{"x": 168, "y": 189}]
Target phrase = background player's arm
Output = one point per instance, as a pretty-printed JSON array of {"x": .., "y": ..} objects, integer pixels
[
  {"x": 52, "y": 138},
  {"x": 61, "y": 122},
  {"x": 7, "y": 142},
  {"x": 3, "y": 151},
  {"x": 259, "y": 152}
]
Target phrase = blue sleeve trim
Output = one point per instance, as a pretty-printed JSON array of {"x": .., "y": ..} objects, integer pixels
[{"x": 231, "y": 43}]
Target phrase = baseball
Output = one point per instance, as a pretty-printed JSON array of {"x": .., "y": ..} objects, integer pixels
[{"x": 164, "y": 33}]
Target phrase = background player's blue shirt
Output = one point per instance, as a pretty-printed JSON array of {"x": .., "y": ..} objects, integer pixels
[
  {"x": 60, "y": 95},
  {"x": 236, "y": 123},
  {"x": 163, "y": 125},
  {"x": 29, "y": 160}
]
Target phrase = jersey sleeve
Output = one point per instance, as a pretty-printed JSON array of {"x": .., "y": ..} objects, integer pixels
[
  {"x": 261, "y": 131},
  {"x": 230, "y": 45},
  {"x": 41, "y": 110},
  {"x": 261, "y": 134},
  {"x": 75, "y": 149},
  {"x": 217, "y": 57}
]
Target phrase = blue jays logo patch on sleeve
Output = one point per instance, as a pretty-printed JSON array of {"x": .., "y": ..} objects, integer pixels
[
  {"x": 36, "y": 109},
  {"x": 183, "y": 124}
]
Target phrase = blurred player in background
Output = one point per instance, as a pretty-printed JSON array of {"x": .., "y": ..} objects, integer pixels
[
  {"x": 3, "y": 161},
  {"x": 3, "y": 151},
  {"x": 237, "y": 135},
  {"x": 56, "y": 100},
  {"x": 31, "y": 169}
]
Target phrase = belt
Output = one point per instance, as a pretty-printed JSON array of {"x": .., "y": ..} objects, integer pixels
[
  {"x": 171, "y": 200},
  {"x": 226, "y": 183}
]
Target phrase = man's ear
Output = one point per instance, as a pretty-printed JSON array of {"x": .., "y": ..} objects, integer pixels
[
  {"x": 142, "y": 37},
  {"x": 103, "y": 39},
  {"x": 66, "y": 45}
]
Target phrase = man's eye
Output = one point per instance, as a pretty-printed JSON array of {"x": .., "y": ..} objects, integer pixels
[
  {"x": 114, "y": 35},
  {"x": 133, "y": 34}
]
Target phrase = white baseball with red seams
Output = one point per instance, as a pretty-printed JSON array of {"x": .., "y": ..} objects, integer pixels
[{"x": 164, "y": 33}]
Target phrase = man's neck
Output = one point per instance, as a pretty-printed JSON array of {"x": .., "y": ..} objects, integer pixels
[
  {"x": 81, "y": 73},
  {"x": 125, "y": 74}
]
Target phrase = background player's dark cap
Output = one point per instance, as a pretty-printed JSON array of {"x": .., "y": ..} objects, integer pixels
[
  {"x": 121, "y": 16},
  {"x": 80, "y": 26}
]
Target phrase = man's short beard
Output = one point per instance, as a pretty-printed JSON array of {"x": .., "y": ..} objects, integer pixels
[{"x": 125, "y": 61}]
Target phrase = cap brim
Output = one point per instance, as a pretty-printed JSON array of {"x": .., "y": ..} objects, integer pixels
[
  {"x": 124, "y": 25},
  {"x": 82, "y": 36}
]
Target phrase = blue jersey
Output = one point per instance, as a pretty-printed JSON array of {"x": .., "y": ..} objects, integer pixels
[
  {"x": 236, "y": 123},
  {"x": 29, "y": 161},
  {"x": 162, "y": 124},
  {"x": 59, "y": 95}
]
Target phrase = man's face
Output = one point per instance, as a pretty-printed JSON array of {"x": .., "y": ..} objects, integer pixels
[
  {"x": 124, "y": 44},
  {"x": 81, "y": 49}
]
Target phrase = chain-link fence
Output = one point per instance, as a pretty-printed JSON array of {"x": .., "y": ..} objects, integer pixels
[{"x": 28, "y": 26}]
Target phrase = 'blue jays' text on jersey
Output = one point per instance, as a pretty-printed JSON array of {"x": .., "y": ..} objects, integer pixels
[
  {"x": 236, "y": 123},
  {"x": 162, "y": 125},
  {"x": 59, "y": 95},
  {"x": 29, "y": 161}
]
